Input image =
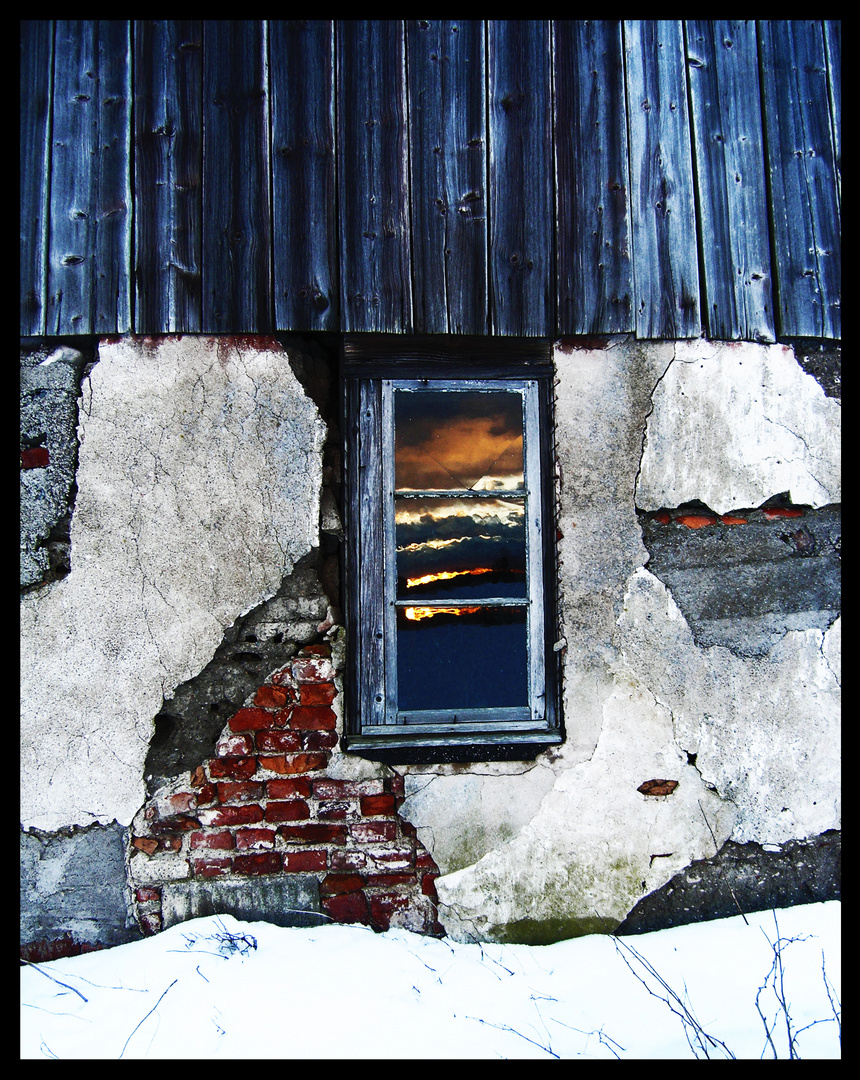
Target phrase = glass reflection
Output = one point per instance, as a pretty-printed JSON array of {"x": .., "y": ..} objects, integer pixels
[
  {"x": 458, "y": 439},
  {"x": 461, "y": 658},
  {"x": 460, "y": 548}
]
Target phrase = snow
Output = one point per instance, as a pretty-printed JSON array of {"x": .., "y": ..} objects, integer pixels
[{"x": 215, "y": 987}]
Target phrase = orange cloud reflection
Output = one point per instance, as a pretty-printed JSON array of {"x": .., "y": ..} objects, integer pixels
[
  {"x": 416, "y": 613},
  {"x": 445, "y": 575}
]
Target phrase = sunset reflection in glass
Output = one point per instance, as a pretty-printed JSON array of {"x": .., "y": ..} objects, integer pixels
[{"x": 460, "y": 537}]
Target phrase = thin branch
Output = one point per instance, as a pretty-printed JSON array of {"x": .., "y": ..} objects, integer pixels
[
  {"x": 151, "y": 1011},
  {"x": 51, "y": 977}
]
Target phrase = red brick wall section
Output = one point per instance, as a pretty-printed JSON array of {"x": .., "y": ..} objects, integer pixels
[{"x": 265, "y": 805}]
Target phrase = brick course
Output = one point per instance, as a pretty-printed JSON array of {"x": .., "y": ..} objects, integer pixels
[{"x": 263, "y": 804}]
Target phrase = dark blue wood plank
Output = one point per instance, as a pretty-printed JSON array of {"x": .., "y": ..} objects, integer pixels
[
  {"x": 168, "y": 162},
  {"x": 304, "y": 236},
  {"x": 373, "y": 177},
  {"x": 37, "y": 61},
  {"x": 722, "y": 60},
  {"x": 804, "y": 194},
  {"x": 833, "y": 48},
  {"x": 521, "y": 208},
  {"x": 448, "y": 166},
  {"x": 237, "y": 274},
  {"x": 665, "y": 259},
  {"x": 89, "y": 290},
  {"x": 595, "y": 272}
]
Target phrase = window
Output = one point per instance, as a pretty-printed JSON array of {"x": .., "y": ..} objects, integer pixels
[{"x": 450, "y": 549}]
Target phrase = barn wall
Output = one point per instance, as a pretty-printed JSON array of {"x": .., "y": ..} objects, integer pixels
[{"x": 182, "y": 680}]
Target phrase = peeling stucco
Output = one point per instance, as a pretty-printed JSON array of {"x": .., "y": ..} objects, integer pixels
[
  {"x": 198, "y": 486},
  {"x": 735, "y": 423}
]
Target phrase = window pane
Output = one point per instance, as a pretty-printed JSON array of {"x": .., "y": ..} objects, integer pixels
[
  {"x": 461, "y": 658},
  {"x": 460, "y": 549},
  {"x": 458, "y": 439}
]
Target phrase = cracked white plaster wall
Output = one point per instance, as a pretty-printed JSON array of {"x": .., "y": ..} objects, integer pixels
[
  {"x": 765, "y": 729},
  {"x": 198, "y": 488},
  {"x": 587, "y": 855},
  {"x": 735, "y": 423}
]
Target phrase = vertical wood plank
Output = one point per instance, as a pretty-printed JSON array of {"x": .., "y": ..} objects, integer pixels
[
  {"x": 373, "y": 177},
  {"x": 448, "y": 168},
  {"x": 595, "y": 272},
  {"x": 722, "y": 60},
  {"x": 237, "y": 281},
  {"x": 168, "y": 160},
  {"x": 521, "y": 211},
  {"x": 36, "y": 74},
  {"x": 833, "y": 48},
  {"x": 801, "y": 163},
  {"x": 304, "y": 234},
  {"x": 89, "y": 287},
  {"x": 665, "y": 260}
]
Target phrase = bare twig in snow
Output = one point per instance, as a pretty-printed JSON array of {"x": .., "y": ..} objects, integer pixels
[{"x": 151, "y": 1011}]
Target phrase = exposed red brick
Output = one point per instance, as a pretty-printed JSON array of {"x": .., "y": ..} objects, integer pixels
[
  {"x": 312, "y": 717},
  {"x": 219, "y": 841},
  {"x": 241, "y": 791},
  {"x": 377, "y": 804},
  {"x": 347, "y": 907},
  {"x": 317, "y": 693},
  {"x": 320, "y": 649},
  {"x": 294, "y": 763},
  {"x": 35, "y": 457},
  {"x": 366, "y": 832},
  {"x": 270, "y": 862},
  {"x": 292, "y": 810},
  {"x": 314, "y": 833},
  {"x": 180, "y": 803},
  {"x": 147, "y": 895},
  {"x": 232, "y": 768},
  {"x": 695, "y": 521},
  {"x": 198, "y": 777},
  {"x": 176, "y": 823},
  {"x": 278, "y": 741},
  {"x": 232, "y": 815},
  {"x": 663, "y": 517},
  {"x": 408, "y": 829},
  {"x": 348, "y": 859},
  {"x": 272, "y": 697},
  {"x": 284, "y": 677},
  {"x": 428, "y": 885},
  {"x": 309, "y": 862},
  {"x": 250, "y": 720},
  {"x": 170, "y": 843},
  {"x": 333, "y": 809},
  {"x": 146, "y": 844},
  {"x": 332, "y": 884},
  {"x": 772, "y": 512},
  {"x": 150, "y": 923},
  {"x": 211, "y": 867},
  {"x": 424, "y": 860},
  {"x": 728, "y": 519},
  {"x": 395, "y": 785},
  {"x": 319, "y": 740},
  {"x": 387, "y": 880},
  {"x": 234, "y": 746},
  {"x": 255, "y": 838},
  {"x": 287, "y": 789},
  {"x": 207, "y": 794},
  {"x": 313, "y": 669},
  {"x": 383, "y": 906},
  {"x": 340, "y": 789}
]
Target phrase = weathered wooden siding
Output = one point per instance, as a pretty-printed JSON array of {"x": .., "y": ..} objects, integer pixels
[{"x": 523, "y": 178}]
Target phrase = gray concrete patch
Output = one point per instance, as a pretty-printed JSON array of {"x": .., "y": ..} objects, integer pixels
[
  {"x": 50, "y": 389},
  {"x": 73, "y": 890},
  {"x": 292, "y": 900},
  {"x": 743, "y": 878}
]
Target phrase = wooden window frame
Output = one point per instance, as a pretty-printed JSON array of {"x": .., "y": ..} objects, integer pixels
[{"x": 372, "y": 368}]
